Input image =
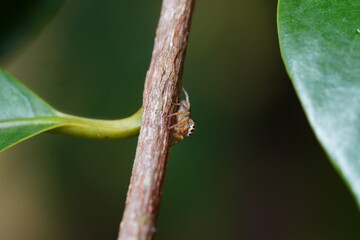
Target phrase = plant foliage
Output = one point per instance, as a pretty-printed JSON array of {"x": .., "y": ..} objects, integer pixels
[{"x": 320, "y": 44}]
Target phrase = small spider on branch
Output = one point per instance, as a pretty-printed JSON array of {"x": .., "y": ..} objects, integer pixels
[{"x": 184, "y": 124}]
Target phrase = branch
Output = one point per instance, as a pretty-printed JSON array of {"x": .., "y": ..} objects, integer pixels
[{"x": 162, "y": 88}]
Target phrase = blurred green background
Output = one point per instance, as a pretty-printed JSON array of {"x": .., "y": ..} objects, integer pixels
[{"x": 253, "y": 170}]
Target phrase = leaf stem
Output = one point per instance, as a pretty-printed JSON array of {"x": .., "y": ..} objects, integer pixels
[{"x": 100, "y": 129}]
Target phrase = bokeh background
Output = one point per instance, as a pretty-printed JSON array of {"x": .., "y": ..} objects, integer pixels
[{"x": 254, "y": 169}]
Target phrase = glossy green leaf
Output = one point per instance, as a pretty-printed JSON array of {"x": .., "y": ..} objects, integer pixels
[
  {"x": 23, "y": 115},
  {"x": 320, "y": 45}
]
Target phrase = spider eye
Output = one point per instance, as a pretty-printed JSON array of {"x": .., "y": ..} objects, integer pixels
[{"x": 191, "y": 131}]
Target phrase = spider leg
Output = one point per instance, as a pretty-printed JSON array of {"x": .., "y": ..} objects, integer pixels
[
  {"x": 187, "y": 97},
  {"x": 177, "y": 138},
  {"x": 179, "y": 123},
  {"x": 178, "y": 113},
  {"x": 181, "y": 129},
  {"x": 173, "y": 114},
  {"x": 183, "y": 105}
]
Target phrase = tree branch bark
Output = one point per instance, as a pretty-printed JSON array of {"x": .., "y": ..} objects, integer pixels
[{"x": 162, "y": 88}]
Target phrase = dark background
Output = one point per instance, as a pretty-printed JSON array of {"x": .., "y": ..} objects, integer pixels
[{"x": 254, "y": 169}]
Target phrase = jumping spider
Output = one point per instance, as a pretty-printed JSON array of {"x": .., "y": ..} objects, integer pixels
[{"x": 184, "y": 124}]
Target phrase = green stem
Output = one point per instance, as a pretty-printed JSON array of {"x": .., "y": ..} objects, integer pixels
[{"x": 100, "y": 129}]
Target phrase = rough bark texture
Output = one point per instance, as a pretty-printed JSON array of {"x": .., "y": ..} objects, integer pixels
[{"x": 162, "y": 87}]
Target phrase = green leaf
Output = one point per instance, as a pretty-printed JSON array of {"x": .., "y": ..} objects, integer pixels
[
  {"x": 320, "y": 44},
  {"x": 23, "y": 115}
]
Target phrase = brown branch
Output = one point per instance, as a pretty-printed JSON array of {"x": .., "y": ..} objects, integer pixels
[{"x": 162, "y": 88}]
